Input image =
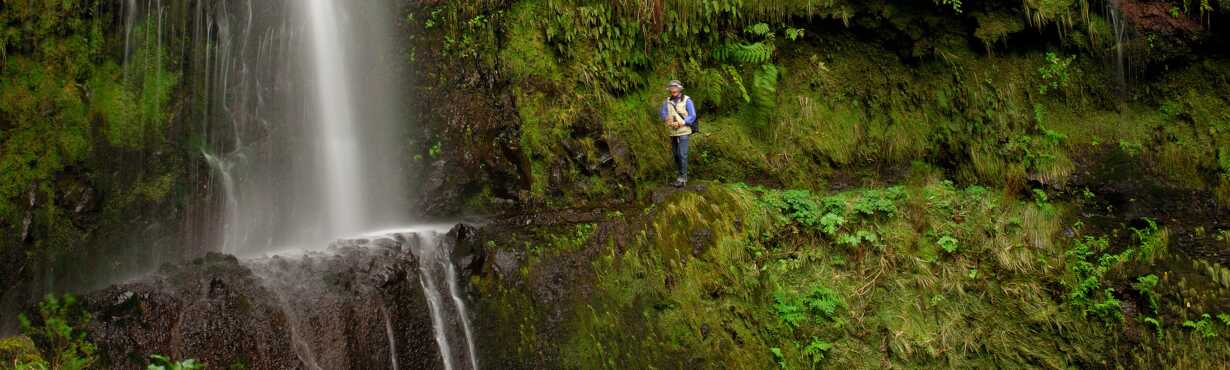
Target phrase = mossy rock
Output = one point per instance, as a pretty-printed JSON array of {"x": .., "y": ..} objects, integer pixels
[{"x": 19, "y": 350}]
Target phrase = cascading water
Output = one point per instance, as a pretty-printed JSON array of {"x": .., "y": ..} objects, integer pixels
[
  {"x": 435, "y": 265},
  {"x": 298, "y": 160},
  {"x": 340, "y": 157},
  {"x": 1121, "y": 54},
  {"x": 306, "y": 291}
]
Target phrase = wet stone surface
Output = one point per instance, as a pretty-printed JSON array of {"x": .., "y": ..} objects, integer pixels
[{"x": 358, "y": 305}]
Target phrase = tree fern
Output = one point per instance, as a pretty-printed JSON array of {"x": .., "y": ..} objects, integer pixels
[
  {"x": 738, "y": 81},
  {"x": 764, "y": 94},
  {"x": 742, "y": 52}
]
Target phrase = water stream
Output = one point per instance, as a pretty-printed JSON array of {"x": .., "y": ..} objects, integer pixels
[
  {"x": 449, "y": 315},
  {"x": 388, "y": 332},
  {"x": 340, "y": 159},
  {"x": 1123, "y": 38},
  {"x": 301, "y": 125}
]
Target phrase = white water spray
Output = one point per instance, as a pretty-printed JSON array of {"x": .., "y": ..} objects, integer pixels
[
  {"x": 454, "y": 292},
  {"x": 433, "y": 257},
  {"x": 388, "y": 331},
  {"x": 232, "y": 205},
  {"x": 341, "y": 170}
]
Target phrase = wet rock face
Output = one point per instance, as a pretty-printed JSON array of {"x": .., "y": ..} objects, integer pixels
[{"x": 339, "y": 309}]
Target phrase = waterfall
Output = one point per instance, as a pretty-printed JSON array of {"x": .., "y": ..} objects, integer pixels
[
  {"x": 339, "y": 160},
  {"x": 454, "y": 292},
  {"x": 276, "y": 86},
  {"x": 435, "y": 266},
  {"x": 1122, "y": 33},
  {"x": 295, "y": 278},
  {"x": 230, "y": 204},
  {"x": 297, "y": 105}
]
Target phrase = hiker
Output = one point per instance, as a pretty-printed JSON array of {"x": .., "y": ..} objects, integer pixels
[{"x": 680, "y": 117}]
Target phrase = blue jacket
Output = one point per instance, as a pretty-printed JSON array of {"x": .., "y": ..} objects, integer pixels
[{"x": 691, "y": 118}]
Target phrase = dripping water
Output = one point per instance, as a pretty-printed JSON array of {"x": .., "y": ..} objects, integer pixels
[
  {"x": 1120, "y": 53},
  {"x": 388, "y": 331},
  {"x": 461, "y": 307}
]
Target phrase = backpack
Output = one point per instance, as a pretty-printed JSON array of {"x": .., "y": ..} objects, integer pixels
[{"x": 695, "y": 125}]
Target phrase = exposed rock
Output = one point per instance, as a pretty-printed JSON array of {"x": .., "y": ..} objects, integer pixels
[
  {"x": 329, "y": 310},
  {"x": 1157, "y": 17}
]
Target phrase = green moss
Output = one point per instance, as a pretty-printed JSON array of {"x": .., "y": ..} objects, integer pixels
[
  {"x": 526, "y": 57},
  {"x": 711, "y": 277}
]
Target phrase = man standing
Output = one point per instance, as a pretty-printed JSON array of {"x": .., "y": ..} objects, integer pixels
[{"x": 680, "y": 117}]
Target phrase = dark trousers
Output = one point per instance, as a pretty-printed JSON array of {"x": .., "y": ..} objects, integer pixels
[{"x": 679, "y": 147}]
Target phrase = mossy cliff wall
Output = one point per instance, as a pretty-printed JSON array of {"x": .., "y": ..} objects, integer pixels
[{"x": 978, "y": 184}]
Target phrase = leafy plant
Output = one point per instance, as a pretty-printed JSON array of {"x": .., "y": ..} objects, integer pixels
[
  {"x": 801, "y": 207},
  {"x": 947, "y": 243},
  {"x": 1130, "y": 148},
  {"x": 1157, "y": 326},
  {"x": 1085, "y": 287},
  {"x": 779, "y": 358},
  {"x": 1055, "y": 73},
  {"x": 744, "y": 52},
  {"x": 435, "y": 150},
  {"x": 1203, "y": 327},
  {"x": 59, "y": 332},
  {"x": 160, "y": 362},
  {"x": 1043, "y": 201},
  {"x": 764, "y": 95},
  {"x": 1109, "y": 308},
  {"x": 955, "y": 4},
  {"x": 831, "y": 222},
  {"x": 789, "y": 310},
  {"x": 858, "y": 237},
  {"x": 793, "y": 34},
  {"x": 819, "y": 305},
  {"x": 1153, "y": 241},
  {"x": 816, "y": 349},
  {"x": 879, "y": 201},
  {"x": 1145, "y": 285}
]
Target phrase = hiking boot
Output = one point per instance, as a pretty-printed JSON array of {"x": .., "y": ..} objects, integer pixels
[{"x": 680, "y": 182}]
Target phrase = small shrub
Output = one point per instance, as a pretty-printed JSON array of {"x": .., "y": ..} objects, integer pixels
[
  {"x": 880, "y": 201},
  {"x": 831, "y": 222},
  {"x": 59, "y": 332},
  {"x": 1153, "y": 241},
  {"x": 948, "y": 244},
  {"x": 1157, "y": 326},
  {"x": 779, "y": 358},
  {"x": 816, "y": 350},
  {"x": 1055, "y": 73},
  {"x": 818, "y": 306},
  {"x": 1203, "y": 327},
  {"x": 1145, "y": 285},
  {"x": 1085, "y": 289}
]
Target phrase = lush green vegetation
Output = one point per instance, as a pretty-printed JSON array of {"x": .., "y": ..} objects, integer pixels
[
  {"x": 923, "y": 176},
  {"x": 886, "y": 183},
  {"x": 56, "y": 338},
  {"x": 85, "y": 140},
  {"x": 795, "y": 92},
  {"x": 58, "y": 331},
  {"x": 770, "y": 285}
]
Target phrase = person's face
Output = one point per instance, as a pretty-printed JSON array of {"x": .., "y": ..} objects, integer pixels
[{"x": 675, "y": 91}]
